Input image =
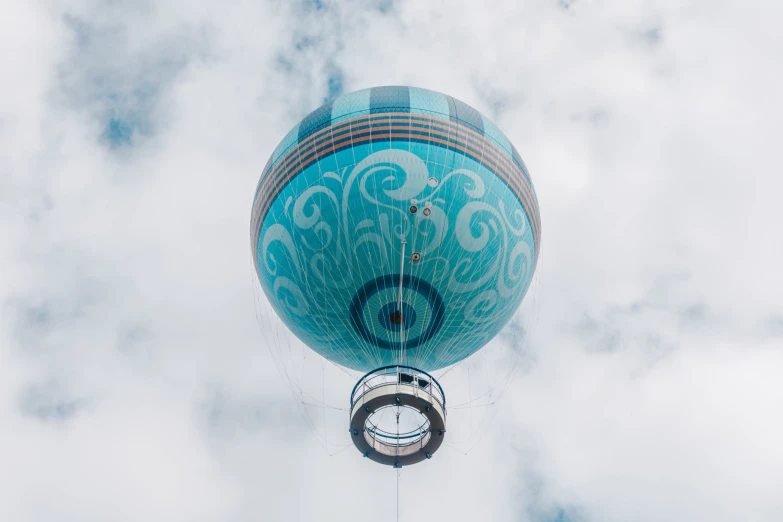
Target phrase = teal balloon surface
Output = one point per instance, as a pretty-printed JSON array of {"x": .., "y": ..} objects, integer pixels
[{"x": 395, "y": 225}]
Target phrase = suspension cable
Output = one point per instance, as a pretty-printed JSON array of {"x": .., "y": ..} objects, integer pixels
[
  {"x": 398, "y": 469},
  {"x": 398, "y": 494},
  {"x": 399, "y": 304}
]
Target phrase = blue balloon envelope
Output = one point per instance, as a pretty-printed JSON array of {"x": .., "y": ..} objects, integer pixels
[{"x": 395, "y": 225}]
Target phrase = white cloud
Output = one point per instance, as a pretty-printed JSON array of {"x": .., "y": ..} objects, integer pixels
[{"x": 133, "y": 380}]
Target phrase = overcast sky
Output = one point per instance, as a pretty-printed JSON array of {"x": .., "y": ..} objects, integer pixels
[{"x": 135, "y": 384}]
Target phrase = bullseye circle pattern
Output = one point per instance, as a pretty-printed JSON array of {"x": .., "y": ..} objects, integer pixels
[{"x": 422, "y": 308}]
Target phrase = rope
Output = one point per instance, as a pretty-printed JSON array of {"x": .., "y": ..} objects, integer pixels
[
  {"x": 398, "y": 494},
  {"x": 399, "y": 309},
  {"x": 398, "y": 469}
]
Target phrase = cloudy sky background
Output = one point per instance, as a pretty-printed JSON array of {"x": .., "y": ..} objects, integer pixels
[{"x": 134, "y": 381}]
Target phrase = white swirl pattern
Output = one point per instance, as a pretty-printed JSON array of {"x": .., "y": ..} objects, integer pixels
[{"x": 346, "y": 227}]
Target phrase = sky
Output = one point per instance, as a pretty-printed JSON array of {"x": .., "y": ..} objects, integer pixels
[{"x": 135, "y": 383}]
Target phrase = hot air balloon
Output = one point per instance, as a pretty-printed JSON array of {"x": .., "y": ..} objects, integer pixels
[{"x": 395, "y": 231}]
